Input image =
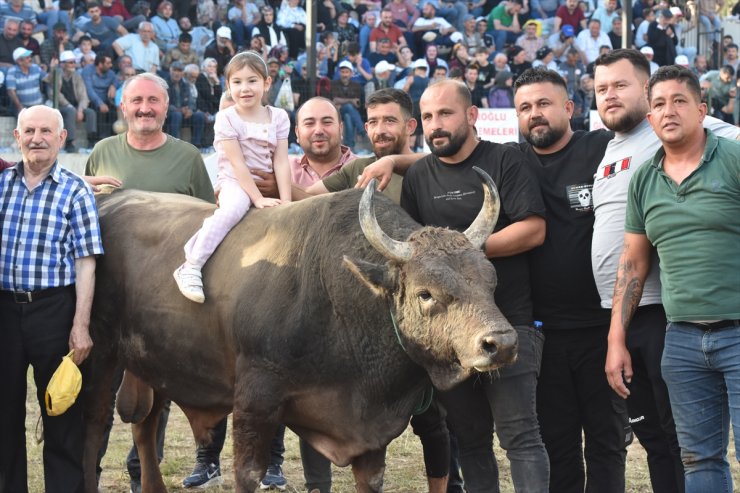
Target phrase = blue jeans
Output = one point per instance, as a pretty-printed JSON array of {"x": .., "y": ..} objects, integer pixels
[
  {"x": 196, "y": 122},
  {"x": 702, "y": 370},
  {"x": 500, "y": 38},
  {"x": 505, "y": 399},
  {"x": 711, "y": 26},
  {"x": 352, "y": 123}
]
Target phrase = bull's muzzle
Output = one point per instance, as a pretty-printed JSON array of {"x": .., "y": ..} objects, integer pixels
[{"x": 495, "y": 349}]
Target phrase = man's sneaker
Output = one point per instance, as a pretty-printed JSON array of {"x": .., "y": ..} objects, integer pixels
[
  {"x": 190, "y": 282},
  {"x": 203, "y": 476},
  {"x": 274, "y": 478}
]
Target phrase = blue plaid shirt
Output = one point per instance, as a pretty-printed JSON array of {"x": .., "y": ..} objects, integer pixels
[{"x": 44, "y": 230}]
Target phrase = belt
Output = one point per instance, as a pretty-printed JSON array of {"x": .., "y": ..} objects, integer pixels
[
  {"x": 718, "y": 325},
  {"x": 31, "y": 296}
]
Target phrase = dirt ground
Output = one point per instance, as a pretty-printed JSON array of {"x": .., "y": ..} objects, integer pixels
[{"x": 404, "y": 463}]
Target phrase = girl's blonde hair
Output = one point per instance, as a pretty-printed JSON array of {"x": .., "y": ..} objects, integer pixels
[{"x": 243, "y": 59}]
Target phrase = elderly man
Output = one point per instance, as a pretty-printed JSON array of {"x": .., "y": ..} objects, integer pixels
[
  {"x": 182, "y": 110},
  {"x": 47, "y": 279},
  {"x": 589, "y": 41},
  {"x": 23, "y": 81},
  {"x": 346, "y": 95},
  {"x": 9, "y": 42},
  {"x": 141, "y": 47},
  {"x": 73, "y": 101},
  {"x": 146, "y": 158},
  {"x": 674, "y": 208}
]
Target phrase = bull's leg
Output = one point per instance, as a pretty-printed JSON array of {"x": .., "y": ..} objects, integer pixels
[
  {"x": 368, "y": 469},
  {"x": 257, "y": 415},
  {"x": 145, "y": 438},
  {"x": 98, "y": 403}
]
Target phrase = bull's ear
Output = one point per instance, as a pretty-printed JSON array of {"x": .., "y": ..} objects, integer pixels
[{"x": 374, "y": 276}]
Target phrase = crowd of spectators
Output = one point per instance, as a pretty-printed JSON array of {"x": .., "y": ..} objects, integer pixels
[{"x": 77, "y": 55}]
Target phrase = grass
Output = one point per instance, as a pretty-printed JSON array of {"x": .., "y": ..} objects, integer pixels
[{"x": 404, "y": 469}]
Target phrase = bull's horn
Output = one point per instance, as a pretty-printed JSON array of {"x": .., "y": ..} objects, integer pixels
[
  {"x": 399, "y": 251},
  {"x": 482, "y": 227}
]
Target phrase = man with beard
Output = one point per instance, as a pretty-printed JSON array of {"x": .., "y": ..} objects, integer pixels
[
  {"x": 146, "y": 158},
  {"x": 444, "y": 190},
  {"x": 319, "y": 133},
  {"x": 573, "y": 396},
  {"x": 634, "y": 355},
  {"x": 389, "y": 126}
]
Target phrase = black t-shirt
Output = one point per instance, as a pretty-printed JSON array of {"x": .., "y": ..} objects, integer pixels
[
  {"x": 439, "y": 194},
  {"x": 563, "y": 287}
]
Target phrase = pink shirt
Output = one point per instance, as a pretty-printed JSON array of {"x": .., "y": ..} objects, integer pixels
[
  {"x": 257, "y": 141},
  {"x": 304, "y": 175}
]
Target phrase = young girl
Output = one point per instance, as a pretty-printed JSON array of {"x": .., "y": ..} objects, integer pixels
[{"x": 249, "y": 136}]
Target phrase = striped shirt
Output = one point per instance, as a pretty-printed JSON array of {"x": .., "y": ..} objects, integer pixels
[
  {"x": 26, "y": 86},
  {"x": 44, "y": 230}
]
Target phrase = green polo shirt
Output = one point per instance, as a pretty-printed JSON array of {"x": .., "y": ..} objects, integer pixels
[{"x": 695, "y": 227}]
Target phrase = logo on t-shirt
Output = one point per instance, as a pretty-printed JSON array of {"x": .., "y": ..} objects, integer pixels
[
  {"x": 610, "y": 170},
  {"x": 453, "y": 195},
  {"x": 580, "y": 197}
]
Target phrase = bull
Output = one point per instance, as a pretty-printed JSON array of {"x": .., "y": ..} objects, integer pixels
[{"x": 314, "y": 319}]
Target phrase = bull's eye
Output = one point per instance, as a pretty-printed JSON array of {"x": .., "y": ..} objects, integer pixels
[{"x": 425, "y": 295}]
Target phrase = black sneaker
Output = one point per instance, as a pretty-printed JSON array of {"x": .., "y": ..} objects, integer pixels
[
  {"x": 274, "y": 478},
  {"x": 203, "y": 476}
]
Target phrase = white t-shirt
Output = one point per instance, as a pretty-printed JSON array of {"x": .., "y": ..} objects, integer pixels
[{"x": 624, "y": 154}]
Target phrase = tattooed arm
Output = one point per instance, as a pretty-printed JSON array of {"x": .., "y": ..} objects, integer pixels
[{"x": 631, "y": 273}]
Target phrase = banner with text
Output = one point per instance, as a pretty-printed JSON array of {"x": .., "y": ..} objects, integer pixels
[{"x": 497, "y": 125}]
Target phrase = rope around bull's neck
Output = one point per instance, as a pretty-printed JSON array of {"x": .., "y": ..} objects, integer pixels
[{"x": 428, "y": 395}]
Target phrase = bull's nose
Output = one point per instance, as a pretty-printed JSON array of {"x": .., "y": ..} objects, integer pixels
[{"x": 499, "y": 346}]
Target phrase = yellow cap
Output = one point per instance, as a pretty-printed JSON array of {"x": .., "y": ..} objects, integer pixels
[{"x": 63, "y": 387}]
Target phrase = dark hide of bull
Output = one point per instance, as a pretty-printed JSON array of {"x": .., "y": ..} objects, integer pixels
[{"x": 289, "y": 331}]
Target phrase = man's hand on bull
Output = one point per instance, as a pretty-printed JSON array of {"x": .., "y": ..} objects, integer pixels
[
  {"x": 382, "y": 169},
  {"x": 267, "y": 184},
  {"x": 96, "y": 182}
]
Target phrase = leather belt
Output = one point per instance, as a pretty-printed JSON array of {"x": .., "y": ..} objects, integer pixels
[
  {"x": 719, "y": 325},
  {"x": 31, "y": 296}
]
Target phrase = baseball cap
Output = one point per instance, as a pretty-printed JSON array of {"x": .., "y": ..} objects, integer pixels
[
  {"x": 456, "y": 37},
  {"x": 543, "y": 52},
  {"x": 383, "y": 66},
  {"x": 646, "y": 50},
  {"x": 676, "y": 11},
  {"x": 64, "y": 387},
  {"x": 682, "y": 60},
  {"x": 272, "y": 60},
  {"x": 568, "y": 31},
  {"x": 346, "y": 64},
  {"x": 177, "y": 65},
  {"x": 60, "y": 26},
  {"x": 67, "y": 56},
  {"x": 666, "y": 13},
  {"x": 21, "y": 53},
  {"x": 223, "y": 32},
  {"x": 420, "y": 63}
]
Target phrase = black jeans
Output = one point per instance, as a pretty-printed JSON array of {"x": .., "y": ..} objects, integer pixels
[
  {"x": 574, "y": 397},
  {"x": 648, "y": 404},
  {"x": 37, "y": 334},
  {"x": 507, "y": 400}
]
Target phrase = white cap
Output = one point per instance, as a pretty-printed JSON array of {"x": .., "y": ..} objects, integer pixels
[
  {"x": 456, "y": 37},
  {"x": 346, "y": 64},
  {"x": 21, "y": 53},
  {"x": 420, "y": 63},
  {"x": 223, "y": 32},
  {"x": 676, "y": 11},
  {"x": 646, "y": 50},
  {"x": 67, "y": 56},
  {"x": 383, "y": 66},
  {"x": 682, "y": 60}
]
